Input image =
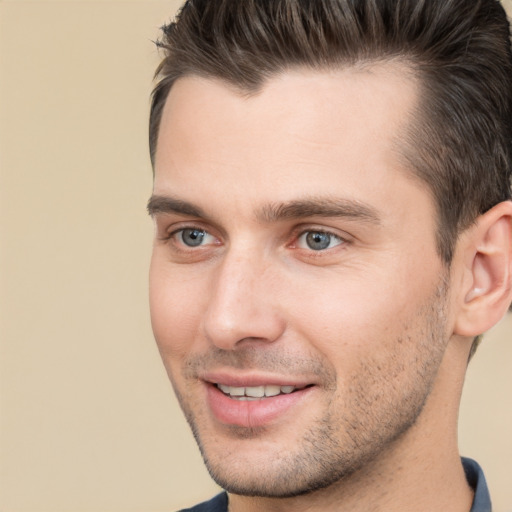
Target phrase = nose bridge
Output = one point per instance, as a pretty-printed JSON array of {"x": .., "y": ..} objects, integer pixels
[{"x": 240, "y": 303}]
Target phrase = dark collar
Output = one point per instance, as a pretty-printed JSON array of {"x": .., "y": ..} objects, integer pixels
[{"x": 476, "y": 479}]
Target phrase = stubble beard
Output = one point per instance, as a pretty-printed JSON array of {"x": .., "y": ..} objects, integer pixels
[{"x": 375, "y": 415}]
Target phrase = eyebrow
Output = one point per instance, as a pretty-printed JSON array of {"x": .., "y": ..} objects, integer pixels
[
  {"x": 166, "y": 204},
  {"x": 274, "y": 212},
  {"x": 320, "y": 207}
]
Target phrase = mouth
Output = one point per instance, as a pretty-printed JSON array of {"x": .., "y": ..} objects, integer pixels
[
  {"x": 252, "y": 393},
  {"x": 255, "y": 404}
]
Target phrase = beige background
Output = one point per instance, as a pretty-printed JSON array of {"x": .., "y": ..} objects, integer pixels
[{"x": 88, "y": 421}]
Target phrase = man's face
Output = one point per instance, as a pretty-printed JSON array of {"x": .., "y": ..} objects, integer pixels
[{"x": 295, "y": 257}]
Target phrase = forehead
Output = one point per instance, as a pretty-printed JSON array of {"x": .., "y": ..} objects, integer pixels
[{"x": 304, "y": 130}]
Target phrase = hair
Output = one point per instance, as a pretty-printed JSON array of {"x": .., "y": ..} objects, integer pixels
[{"x": 460, "y": 140}]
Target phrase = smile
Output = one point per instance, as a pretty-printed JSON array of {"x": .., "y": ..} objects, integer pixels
[
  {"x": 255, "y": 405},
  {"x": 255, "y": 392}
]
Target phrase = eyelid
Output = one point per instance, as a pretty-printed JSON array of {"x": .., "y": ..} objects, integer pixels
[
  {"x": 169, "y": 232},
  {"x": 335, "y": 236},
  {"x": 169, "y": 222},
  {"x": 315, "y": 228},
  {"x": 175, "y": 235}
]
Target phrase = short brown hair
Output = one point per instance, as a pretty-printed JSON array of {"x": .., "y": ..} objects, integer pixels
[{"x": 460, "y": 142}]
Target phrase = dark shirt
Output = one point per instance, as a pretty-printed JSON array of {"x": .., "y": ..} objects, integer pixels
[{"x": 474, "y": 475}]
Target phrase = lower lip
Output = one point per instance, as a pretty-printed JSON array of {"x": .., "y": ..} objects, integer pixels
[{"x": 251, "y": 413}]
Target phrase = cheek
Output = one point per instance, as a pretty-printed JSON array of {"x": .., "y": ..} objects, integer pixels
[
  {"x": 356, "y": 319},
  {"x": 345, "y": 307},
  {"x": 176, "y": 310}
]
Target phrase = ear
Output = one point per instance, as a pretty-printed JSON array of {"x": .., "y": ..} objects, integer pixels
[{"x": 487, "y": 284}]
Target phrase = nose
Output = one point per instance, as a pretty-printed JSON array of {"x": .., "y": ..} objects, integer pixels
[{"x": 242, "y": 303}]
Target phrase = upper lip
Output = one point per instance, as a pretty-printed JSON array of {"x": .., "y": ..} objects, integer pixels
[{"x": 253, "y": 380}]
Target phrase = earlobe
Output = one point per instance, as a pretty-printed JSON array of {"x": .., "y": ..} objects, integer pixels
[{"x": 488, "y": 259}]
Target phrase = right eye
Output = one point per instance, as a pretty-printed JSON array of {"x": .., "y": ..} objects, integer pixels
[{"x": 193, "y": 237}]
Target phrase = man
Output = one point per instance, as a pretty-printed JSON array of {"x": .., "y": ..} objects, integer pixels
[{"x": 333, "y": 233}]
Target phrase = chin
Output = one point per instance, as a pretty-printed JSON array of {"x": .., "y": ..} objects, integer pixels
[
  {"x": 251, "y": 466},
  {"x": 276, "y": 480}
]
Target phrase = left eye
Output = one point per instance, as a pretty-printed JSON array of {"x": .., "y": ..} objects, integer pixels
[
  {"x": 193, "y": 237},
  {"x": 318, "y": 240}
]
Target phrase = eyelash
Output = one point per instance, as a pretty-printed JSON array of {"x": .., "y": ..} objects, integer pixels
[
  {"x": 170, "y": 235},
  {"x": 306, "y": 233}
]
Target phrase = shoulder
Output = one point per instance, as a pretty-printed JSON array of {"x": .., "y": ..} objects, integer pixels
[{"x": 217, "y": 504}]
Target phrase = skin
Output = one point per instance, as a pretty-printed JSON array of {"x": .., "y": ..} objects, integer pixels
[{"x": 367, "y": 323}]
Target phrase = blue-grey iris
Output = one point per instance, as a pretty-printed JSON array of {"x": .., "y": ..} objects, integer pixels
[
  {"x": 192, "y": 237},
  {"x": 317, "y": 240}
]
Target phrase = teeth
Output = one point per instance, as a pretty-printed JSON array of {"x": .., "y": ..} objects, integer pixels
[
  {"x": 255, "y": 392},
  {"x": 272, "y": 390}
]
